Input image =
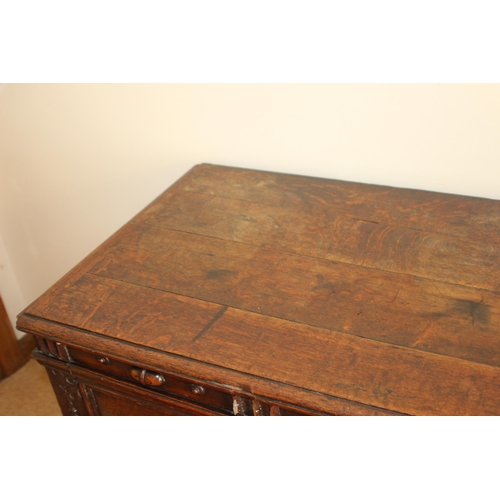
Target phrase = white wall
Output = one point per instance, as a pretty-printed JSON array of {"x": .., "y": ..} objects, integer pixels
[{"x": 78, "y": 161}]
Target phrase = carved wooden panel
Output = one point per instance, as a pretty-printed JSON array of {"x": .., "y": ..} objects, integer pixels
[{"x": 68, "y": 391}]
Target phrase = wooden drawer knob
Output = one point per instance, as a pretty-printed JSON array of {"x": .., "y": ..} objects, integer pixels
[
  {"x": 197, "y": 389},
  {"x": 146, "y": 377}
]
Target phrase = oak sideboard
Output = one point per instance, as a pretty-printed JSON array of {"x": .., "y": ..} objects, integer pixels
[{"x": 245, "y": 292}]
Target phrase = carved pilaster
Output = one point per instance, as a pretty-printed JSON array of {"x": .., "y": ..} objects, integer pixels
[
  {"x": 68, "y": 392},
  {"x": 52, "y": 348}
]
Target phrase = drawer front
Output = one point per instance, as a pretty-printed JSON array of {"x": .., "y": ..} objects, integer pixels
[
  {"x": 194, "y": 391},
  {"x": 199, "y": 397},
  {"x": 81, "y": 391}
]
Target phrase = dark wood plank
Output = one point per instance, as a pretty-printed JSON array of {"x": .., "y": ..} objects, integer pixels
[
  {"x": 126, "y": 311},
  {"x": 461, "y": 216},
  {"x": 395, "y": 308},
  {"x": 349, "y": 367},
  {"x": 335, "y": 236}
]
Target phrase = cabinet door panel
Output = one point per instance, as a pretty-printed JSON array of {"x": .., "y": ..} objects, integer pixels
[{"x": 109, "y": 404}]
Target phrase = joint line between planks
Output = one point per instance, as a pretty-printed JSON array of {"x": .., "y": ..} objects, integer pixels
[
  {"x": 211, "y": 323},
  {"x": 323, "y": 259},
  {"x": 290, "y": 320}
]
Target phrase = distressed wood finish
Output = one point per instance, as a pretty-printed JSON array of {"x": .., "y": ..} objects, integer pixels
[{"x": 291, "y": 295}]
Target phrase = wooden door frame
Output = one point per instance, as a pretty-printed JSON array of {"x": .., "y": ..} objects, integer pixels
[{"x": 14, "y": 353}]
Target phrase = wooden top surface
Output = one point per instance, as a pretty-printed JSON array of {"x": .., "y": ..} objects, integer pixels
[{"x": 383, "y": 296}]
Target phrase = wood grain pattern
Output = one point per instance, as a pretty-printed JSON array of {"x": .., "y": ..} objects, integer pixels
[
  {"x": 401, "y": 309},
  {"x": 348, "y": 367},
  {"x": 307, "y": 288},
  {"x": 337, "y": 236},
  {"x": 441, "y": 213}
]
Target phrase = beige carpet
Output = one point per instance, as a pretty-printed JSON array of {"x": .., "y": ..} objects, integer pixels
[{"x": 28, "y": 392}]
